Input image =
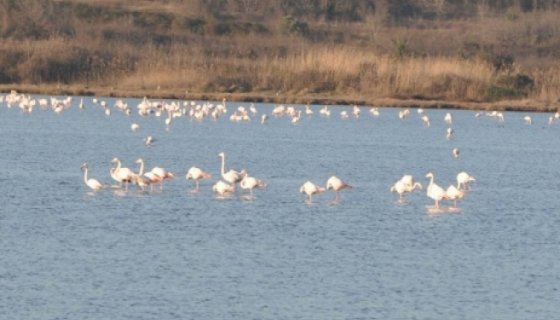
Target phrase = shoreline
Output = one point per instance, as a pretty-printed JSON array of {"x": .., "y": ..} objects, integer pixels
[{"x": 520, "y": 105}]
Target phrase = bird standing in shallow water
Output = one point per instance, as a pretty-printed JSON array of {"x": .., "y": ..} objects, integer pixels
[
  {"x": 197, "y": 174},
  {"x": 309, "y": 188},
  {"x": 404, "y": 185},
  {"x": 336, "y": 185},
  {"x": 93, "y": 184},
  {"x": 434, "y": 191}
]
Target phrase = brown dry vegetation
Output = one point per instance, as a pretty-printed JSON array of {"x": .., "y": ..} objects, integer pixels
[{"x": 452, "y": 53}]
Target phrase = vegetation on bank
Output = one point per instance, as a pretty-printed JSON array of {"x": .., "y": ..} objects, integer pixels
[{"x": 458, "y": 52}]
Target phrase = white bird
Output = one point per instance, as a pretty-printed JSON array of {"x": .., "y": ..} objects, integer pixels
[
  {"x": 197, "y": 174},
  {"x": 264, "y": 118},
  {"x": 450, "y": 133},
  {"x": 121, "y": 174},
  {"x": 81, "y": 105},
  {"x": 161, "y": 175},
  {"x": 309, "y": 188},
  {"x": 250, "y": 183},
  {"x": 528, "y": 120},
  {"x": 134, "y": 127},
  {"x": 149, "y": 140},
  {"x": 344, "y": 114},
  {"x": 455, "y": 152},
  {"x": 93, "y": 184},
  {"x": 434, "y": 191},
  {"x": 463, "y": 180},
  {"x": 222, "y": 188},
  {"x": 230, "y": 176},
  {"x": 454, "y": 194},
  {"x": 426, "y": 120},
  {"x": 404, "y": 185},
  {"x": 140, "y": 179},
  {"x": 448, "y": 118},
  {"x": 336, "y": 185}
]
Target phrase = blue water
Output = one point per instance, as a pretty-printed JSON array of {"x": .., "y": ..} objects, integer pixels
[{"x": 68, "y": 253}]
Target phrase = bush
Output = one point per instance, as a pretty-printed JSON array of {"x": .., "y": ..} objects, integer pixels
[
  {"x": 292, "y": 25},
  {"x": 510, "y": 86}
]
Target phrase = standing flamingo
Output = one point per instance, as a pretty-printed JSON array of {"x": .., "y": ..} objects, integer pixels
[
  {"x": 309, "y": 188},
  {"x": 93, "y": 184},
  {"x": 251, "y": 183},
  {"x": 454, "y": 194},
  {"x": 162, "y": 175},
  {"x": 404, "y": 185},
  {"x": 434, "y": 191},
  {"x": 121, "y": 174},
  {"x": 230, "y": 176},
  {"x": 197, "y": 174},
  {"x": 336, "y": 185},
  {"x": 463, "y": 180}
]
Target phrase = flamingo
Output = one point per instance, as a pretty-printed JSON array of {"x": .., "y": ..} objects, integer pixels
[
  {"x": 448, "y": 118},
  {"x": 222, "y": 188},
  {"x": 426, "y": 120},
  {"x": 149, "y": 140},
  {"x": 134, "y": 127},
  {"x": 93, "y": 184},
  {"x": 231, "y": 176},
  {"x": 450, "y": 133},
  {"x": 528, "y": 120},
  {"x": 140, "y": 179},
  {"x": 251, "y": 183},
  {"x": 196, "y": 174},
  {"x": 336, "y": 185},
  {"x": 463, "y": 180},
  {"x": 452, "y": 193},
  {"x": 264, "y": 118},
  {"x": 161, "y": 175},
  {"x": 121, "y": 174},
  {"x": 309, "y": 188},
  {"x": 434, "y": 191},
  {"x": 404, "y": 185},
  {"x": 455, "y": 152}
]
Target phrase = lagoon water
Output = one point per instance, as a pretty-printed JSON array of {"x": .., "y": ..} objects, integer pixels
[{"x": 68, "y": 253}]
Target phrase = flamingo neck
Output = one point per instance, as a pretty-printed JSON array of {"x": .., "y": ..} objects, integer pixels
[
  {"x": 85, "y": 175},
  {"x": 223, "y": 164},
  {"x": 141, "y": 172}
]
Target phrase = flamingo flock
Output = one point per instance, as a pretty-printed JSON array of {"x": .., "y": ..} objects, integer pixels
[{"x": 231, "y": 179}]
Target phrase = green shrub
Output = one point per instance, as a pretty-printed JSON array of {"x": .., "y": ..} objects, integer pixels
[{"x": 510, "y": 86}]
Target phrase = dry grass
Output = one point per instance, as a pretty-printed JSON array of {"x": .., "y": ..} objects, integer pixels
[{"x": 130, "y": 46}]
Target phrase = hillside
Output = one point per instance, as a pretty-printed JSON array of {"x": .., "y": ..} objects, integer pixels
[{"x": 447, "y": 52}]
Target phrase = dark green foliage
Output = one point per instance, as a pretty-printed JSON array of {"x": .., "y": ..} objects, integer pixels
[{"x": 510, "y": 86}]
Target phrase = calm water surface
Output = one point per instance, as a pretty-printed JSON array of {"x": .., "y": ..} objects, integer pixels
[{"x": 67, "y": 253}]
